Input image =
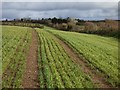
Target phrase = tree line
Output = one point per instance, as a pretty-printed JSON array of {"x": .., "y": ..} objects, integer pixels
[{"x": 101, "y": 27}]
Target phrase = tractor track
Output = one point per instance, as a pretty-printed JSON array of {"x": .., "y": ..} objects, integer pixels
[{"x": 30, "y": 78}]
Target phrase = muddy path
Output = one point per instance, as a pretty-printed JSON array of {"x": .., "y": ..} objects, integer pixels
[
  {"x": 30, "y": 78},
  {"x": 98, "y": 79}
]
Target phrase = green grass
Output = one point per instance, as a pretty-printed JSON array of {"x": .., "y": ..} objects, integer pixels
[
  {"x": 15, "y": 42},
  {"x": 100, "y": 52},
  {"x": 56, "y": 69}
]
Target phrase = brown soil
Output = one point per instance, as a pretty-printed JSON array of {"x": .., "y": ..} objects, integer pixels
[
  {"x": 30, "y": 79},
  {"x": 97, "y": 78}
]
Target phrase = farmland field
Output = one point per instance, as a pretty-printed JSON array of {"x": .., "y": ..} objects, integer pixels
[
  {"x": 64, "y": 59},
  {"x": 101, "y": 52},
  {"x": 15, "y": 42},
  {"x": 56, "y": 67}
]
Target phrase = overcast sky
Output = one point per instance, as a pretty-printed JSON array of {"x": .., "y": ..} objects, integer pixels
[{"x": 82, "y": 10}]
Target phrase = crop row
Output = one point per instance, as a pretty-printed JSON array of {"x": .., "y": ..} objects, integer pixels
[
  {"x": 56, "y": 69},
  {"x": 100, "y": 52},
  {"x": 14, "y": 56}
]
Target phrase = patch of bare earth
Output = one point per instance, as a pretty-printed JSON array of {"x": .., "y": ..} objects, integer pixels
[
  {"x": 30, "y": 79},
  {"x": 97, "y": 78}
]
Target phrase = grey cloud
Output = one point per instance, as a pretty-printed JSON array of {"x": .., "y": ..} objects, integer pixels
[
  {"x": 58, "y": 6},
  {"x": 76, "y": 10}
]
